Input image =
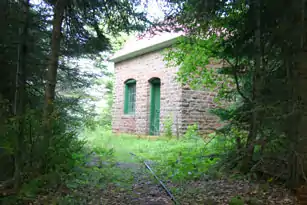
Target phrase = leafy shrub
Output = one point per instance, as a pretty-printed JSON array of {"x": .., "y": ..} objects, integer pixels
[
  {"x": 186, "y": 160},
  {"x": 191, "y": 165},
  {"x": 236, "y": 201},
  {"x": 47, "y": 158},
  {"x": 167, "y": 127},
  {"x": 105, "y": 119},
  {"x": 192, "y": 132},
  {"x": 202, "y": 157},
  {"x": 221, "y": 143}
]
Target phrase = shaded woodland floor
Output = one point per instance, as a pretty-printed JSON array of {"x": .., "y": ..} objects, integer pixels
[
  {"x": 146, "y": 190},
  {"x": 112, "y": 175}
]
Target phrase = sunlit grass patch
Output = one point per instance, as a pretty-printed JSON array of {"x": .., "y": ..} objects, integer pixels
[
  {"x": 174, "y": 159},
  {"x": 151, "y": 148}
]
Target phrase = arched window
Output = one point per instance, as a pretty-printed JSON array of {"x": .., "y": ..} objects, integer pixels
[{"x": 130, "y": 93}]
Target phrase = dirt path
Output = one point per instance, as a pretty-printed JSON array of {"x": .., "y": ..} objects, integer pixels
[
  {"x": 146, "y": 190},
  {"x": 143, "y": 189},
  {"x": 130, "y": 183}
]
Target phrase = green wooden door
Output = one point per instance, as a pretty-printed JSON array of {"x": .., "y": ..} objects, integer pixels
[{"x": 155, "y": 108}]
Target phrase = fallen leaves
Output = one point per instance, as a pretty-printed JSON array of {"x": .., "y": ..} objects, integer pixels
[
  {"x": 144, "y": 190},
  {"x": 222, "y": 191}
]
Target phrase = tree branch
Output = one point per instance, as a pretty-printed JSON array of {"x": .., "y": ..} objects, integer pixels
[{"x": 234, "y": 70}]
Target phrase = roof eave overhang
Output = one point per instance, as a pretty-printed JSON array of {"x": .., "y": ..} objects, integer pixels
[{"x": 142, "y": 51}]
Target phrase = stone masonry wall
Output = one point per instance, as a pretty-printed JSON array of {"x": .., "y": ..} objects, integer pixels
[
  {"x": 195, "y": 110},
  {"x": 196, "y": 105},
  {"x": 183, "y": 105},
  {"x": 142, "y": 69}
]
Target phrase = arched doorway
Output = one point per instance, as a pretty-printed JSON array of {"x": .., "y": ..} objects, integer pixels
[{"x": 154, "y": 123}]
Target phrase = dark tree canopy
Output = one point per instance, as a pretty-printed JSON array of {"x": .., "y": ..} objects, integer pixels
[
  {"x": 38, "y": 44},
  {"x": 261, "y": 42}
]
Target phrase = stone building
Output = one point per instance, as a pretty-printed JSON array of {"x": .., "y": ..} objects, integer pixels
[{"x": 147, "y": 95}]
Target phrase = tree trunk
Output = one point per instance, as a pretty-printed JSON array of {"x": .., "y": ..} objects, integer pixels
[
  {"x": 297, "y": 133},
  {"x": 298, "y": 157},
  {"x": 302, "y": 85},
  {"x": 53, "y": 63},
  {"x": 254, "y": 122},
  {"x": 19, "y": 104}
]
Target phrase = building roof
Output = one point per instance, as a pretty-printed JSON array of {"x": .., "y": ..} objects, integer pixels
[{"x": 148, "y": 43}]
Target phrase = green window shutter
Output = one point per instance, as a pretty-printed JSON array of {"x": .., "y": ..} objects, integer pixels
[
  {"x": 155, "y": 107},
  {"x": 126, "y": 99},
  {"x": 130, "y": 96}
]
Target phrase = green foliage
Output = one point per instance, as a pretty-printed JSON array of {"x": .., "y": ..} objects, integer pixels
[
  {"x": 225, "y": 141},
  {"x": 89, "y": 27},
  {"x": 167, "y": 127},
  {"x": 237, "y": 200},
  {"x": 256, "y": 79},
  {"x": 191, "y": 132},
  {"x": 189, "y": 164},
  {"x": 46, "y": 165},
  {"x": 193, "y": 55},
  {"x": 93, "y": 172},
  {"x": 173, "y": 159},
  {"x": 105, "y": 117}
]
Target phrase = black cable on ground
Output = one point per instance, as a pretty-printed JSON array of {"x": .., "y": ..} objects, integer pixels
[{"x": 157, "y": 178}]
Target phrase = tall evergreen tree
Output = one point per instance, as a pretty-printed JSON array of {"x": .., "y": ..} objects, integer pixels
[
  {"x": 19, "y": 101},
  {"x": 262, "y": 42},
  {"x": 36, "y": 51}
]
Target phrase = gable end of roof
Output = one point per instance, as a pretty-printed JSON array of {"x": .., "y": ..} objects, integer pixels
[{"x": 118, "y": 57}]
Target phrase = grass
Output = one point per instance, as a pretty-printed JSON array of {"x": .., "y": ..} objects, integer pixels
[
  {"x": 175, "y": 159},
  {"x": 148, "y": 147}
]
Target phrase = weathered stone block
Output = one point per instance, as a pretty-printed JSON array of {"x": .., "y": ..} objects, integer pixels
[{"x": 184, "y": 105}]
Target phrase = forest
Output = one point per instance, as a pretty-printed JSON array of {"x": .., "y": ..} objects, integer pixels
[{"x": 55, "y": 149}]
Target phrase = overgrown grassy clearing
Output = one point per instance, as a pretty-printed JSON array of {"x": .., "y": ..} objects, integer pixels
[
  {"x": 173, "y": 159},
  {"x": 157, "y": 149}
]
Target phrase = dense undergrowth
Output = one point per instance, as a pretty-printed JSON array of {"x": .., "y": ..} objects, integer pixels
[
  {"x": 191, "y": 159},
  {"x": 101, "y": 162},
  {"x": 186, "y": 158},
  {"x": 85, "y": 163}
]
